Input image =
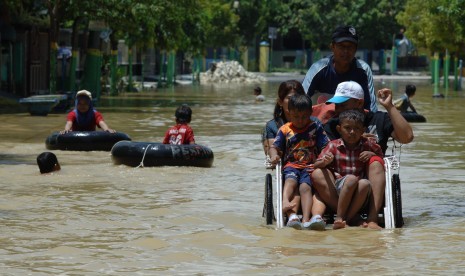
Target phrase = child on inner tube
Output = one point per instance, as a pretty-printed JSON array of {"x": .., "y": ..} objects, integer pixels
[
  {"x": 84, "y": 117},
  {"x": 181, "y": 133}
]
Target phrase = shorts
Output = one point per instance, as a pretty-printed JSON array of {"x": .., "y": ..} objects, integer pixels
[
  {"x": 339, "y": 184},
  {"x": 299, "y": 175}
]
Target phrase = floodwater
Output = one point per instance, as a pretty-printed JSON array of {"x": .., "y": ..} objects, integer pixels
[{"x": 96, "y": 218}]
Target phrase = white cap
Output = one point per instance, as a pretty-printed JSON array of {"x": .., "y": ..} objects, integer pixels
[
  {"x": 84, "y": 93},
  {"x": 345, "y": 91}
]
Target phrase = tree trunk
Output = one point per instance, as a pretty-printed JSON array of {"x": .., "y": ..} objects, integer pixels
[
  {"x": 53, "y": 39},
  {"x": 75, "y": 53},
  {"x": 130, "y": 84},
  {"x": 113, "y": 65},
  {"x": 93, "y": 64}
]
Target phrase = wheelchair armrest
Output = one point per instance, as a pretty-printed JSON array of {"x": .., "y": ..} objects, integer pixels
[{"x": 268, "y": 164}]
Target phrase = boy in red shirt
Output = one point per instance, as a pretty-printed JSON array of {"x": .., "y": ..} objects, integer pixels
[{"x": 181, "y": 133}]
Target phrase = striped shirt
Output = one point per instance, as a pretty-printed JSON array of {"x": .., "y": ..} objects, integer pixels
[{"x": 300, "y": 148}]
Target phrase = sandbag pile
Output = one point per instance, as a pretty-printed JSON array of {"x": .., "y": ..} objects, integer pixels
[{"x": 229, "y": 72}]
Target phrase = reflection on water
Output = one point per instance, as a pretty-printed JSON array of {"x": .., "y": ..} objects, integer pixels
[{"x": 95, "y": 218}]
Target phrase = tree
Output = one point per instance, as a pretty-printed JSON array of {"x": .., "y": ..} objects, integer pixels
[
  {"x": 435, "y": 24},
  {"x": 222, "y": 28},
  {"x": 316, "y": 20},
  {"x": 251, "y": 22},
  {"x": 26, "y": 12}
]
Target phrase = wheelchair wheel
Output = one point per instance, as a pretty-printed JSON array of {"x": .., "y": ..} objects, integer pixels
[
  {"x": 397, "y": 201},
  {"x": 268, "y": 212}
]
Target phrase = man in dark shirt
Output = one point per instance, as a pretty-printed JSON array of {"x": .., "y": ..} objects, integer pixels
[{"x": 325, "y": 74}]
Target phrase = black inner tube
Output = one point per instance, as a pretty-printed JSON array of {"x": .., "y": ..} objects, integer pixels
[
  {"x": 85, "y": 140},
  {"x": 157, "y": 154}
]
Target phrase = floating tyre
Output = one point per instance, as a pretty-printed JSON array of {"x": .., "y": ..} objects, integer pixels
[
  {"x": 148, "y": 154},
  {"x": 84, "y": 140}
]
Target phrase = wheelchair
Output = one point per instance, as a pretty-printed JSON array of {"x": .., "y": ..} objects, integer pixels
[{"x": 390, "y": 216}]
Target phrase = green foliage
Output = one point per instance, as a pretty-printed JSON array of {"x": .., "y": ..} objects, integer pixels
[
  {"x": 222, "y": 29},
  {"x": 250, "y": 24},
  {"x": 436, "y": 25},
  {"x": 26, "y": 12},
  {"x": 316, "y": 20},
  {"x": 193, "y": 25}
]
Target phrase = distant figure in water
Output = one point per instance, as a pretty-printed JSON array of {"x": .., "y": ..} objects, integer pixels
[
  {"x": 181, "y": 133},
  {"x": 48, "y": 162},
  {"x": 257, "y": 91},
  {"x": 403, "y": 104},
  {"x": 84, "y": 117}
]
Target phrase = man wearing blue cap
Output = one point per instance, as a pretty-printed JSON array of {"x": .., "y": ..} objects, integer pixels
[{"x": 325, "y": 74}]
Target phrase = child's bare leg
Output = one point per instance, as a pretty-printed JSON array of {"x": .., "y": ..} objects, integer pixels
[
  {"x": 376, "y": 175},
  {"x": 323, "y": 182},
  {"x": 345, "y": 198},
  {"x": 289, "y": 196},
  {"x": 305, "y": 200},
  {"x": 318, "y": 206},
  {"x": 359, "y": 198},
  {"x": 296, "y": 203}
]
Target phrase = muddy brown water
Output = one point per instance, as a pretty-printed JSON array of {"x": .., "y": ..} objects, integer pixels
[{"x": 96, "y": 218}]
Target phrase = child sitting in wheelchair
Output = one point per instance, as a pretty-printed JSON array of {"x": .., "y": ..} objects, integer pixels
[
  {"x": 347, "y": 159},
  {"x": 298, "y": 143}
]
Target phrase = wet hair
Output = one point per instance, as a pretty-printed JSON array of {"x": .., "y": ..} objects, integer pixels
[
  {"x": 410, "y": 89},
  {"x": 183, "y": 114},
  {"x": 284, "y": 89},
  {"x": 353, "y": 114},
  {"x": 300, "y": 102},
  {"x": 46, "y": 161},
  {"x": 258, "y": 90}
]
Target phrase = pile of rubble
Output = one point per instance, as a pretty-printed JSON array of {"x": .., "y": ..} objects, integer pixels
[{"x": 229, "y": 72}]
